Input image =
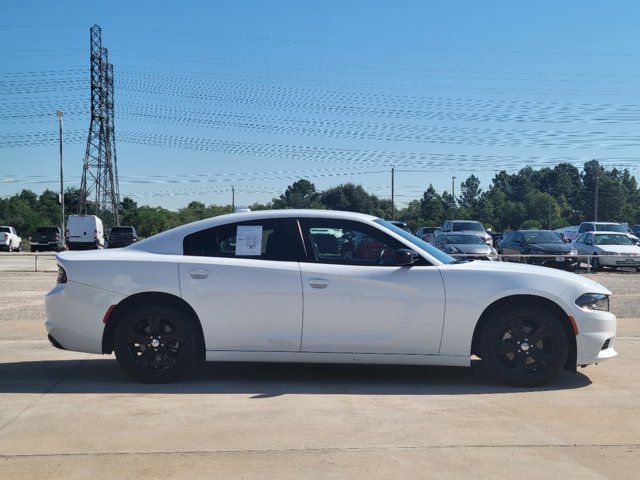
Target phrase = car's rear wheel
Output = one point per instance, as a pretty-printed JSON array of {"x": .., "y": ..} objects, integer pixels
[
  {"x": 156, "y": 343},
  {"x": 524, "y": 345},
  {"x": 595, "y": 264}
]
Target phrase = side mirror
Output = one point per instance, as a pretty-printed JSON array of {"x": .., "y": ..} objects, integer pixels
[{"x": 404, "y": 256}]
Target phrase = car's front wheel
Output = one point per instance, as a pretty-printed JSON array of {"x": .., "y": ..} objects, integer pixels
[
  {"x": 524, "y": 345},
  {"x": 156, "y": 343}
]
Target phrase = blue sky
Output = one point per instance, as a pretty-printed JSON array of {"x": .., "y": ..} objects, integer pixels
[{"x": 257, "y": 94}]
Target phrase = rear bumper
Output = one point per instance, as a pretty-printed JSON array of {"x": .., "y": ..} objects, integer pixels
[
  {"x": 74, "y": 315},
  {"x": 82, "y": 245}
]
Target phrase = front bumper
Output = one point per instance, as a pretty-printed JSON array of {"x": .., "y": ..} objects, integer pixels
[
  {"x": 596, "y": 337},
  {"x": 619, "y": 260}
]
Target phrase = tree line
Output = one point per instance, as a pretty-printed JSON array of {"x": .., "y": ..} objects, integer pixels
[{"x": 531, "y": 198}]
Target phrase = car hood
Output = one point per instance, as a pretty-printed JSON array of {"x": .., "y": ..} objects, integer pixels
[
  {"x": 620, "y": 248},
  {"x": 552, "y": 247},
  {"x": 471, "y": 248},
  {"x": 474, "y": 232},
  {"x": 545, "y": 279}
]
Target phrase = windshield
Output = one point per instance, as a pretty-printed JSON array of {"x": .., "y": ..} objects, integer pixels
[
  {"x": 418, "y": 242},
  {"x": 122, "y": 230},
  {"x": 464, "y": 240},
  {"x": 471, "y": 226},
  {"x": 610, "y": 227},
  {"x": 613, "y": 239},
  {"x": 533, "y": 238},
  {"x": 47, "y": 230}
]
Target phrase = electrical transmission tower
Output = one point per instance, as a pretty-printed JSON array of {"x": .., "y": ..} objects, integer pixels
[{"x": 100, "y": 168}]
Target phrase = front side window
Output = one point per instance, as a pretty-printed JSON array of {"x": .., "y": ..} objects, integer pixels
[
  {"x": 347, "y": 242},
  {"x": 270, "y": 239}
]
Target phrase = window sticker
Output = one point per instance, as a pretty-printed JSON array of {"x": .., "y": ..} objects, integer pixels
[{"x": 249, "y": 240}]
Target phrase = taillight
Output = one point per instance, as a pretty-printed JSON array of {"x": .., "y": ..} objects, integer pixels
[
  {"x": 95, "y": 234},
  {"x": 62, "y": 275},
  {"x": 55, "y": 238},
  {"x": 66, "y": 233}
]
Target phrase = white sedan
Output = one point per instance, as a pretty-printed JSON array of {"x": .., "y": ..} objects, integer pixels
[
  {"x": 608, "y": 249},
  {"x": 321, "y": 286}
]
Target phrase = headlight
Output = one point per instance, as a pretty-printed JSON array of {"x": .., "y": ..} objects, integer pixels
[{"x": 594, "y": 301}]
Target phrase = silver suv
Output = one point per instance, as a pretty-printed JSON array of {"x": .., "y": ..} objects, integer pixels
[{"x": 467, "y": 226}]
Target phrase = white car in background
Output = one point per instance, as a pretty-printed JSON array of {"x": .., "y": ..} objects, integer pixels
[
  {"x": 610, "y": 249},
  {"x": 321, "y": 286},
  {"x": 9, "y": 239}
]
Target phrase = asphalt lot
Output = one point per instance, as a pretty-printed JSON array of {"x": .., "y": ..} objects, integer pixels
[{"x": 71, "y": 415}]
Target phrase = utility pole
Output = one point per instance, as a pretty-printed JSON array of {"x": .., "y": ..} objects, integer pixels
[
  {"x": 453, "y": 189},
  {"x": 393, "y": 174},
  {"x": 233, "y": 199},
  {"x": 595, "y": 198},
  {"x": 59, "y": 114}
]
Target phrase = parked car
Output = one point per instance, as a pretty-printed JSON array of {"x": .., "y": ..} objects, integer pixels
[
  {"x": 428, "y": 234},
  {"x": 234, "y": 288},
  {"x": 9, "y": 239},
  {"x": 121, "y": 237},
  {"x": 467, "y": 245},
  {"x": 84, "y": 232},
  {"x": 495, "y": 238},
  {"x": 568, "y": 234},
  {"x": 608, "y": 227},
  {"x": 612, "y": 249},
  {"x": 46, "y": 238},
  {"x": 467, "y": 226},
  {"x": 401, "y": 225},
  {"x": 556, "y": 252}
]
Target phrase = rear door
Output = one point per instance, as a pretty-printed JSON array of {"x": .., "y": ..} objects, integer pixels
[
  {"x": 356, "y": 303},
  {"x": 243, "y": 281}
]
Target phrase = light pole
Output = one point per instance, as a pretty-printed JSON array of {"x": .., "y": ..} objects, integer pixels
[{"x": 59, "y": 114}]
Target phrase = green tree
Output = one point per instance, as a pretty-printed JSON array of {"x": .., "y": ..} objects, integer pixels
[
  {"x": 470, "y": 192},
  {"x": 301, "y": 194}
]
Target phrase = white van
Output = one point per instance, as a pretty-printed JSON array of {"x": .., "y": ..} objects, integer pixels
[{"x": 84, "y": 232}]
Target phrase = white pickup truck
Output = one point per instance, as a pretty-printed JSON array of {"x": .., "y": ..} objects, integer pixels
[{"x": 9, "y": 239}]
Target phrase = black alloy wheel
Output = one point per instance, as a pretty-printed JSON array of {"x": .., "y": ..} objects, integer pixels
[
  {"x": 524, "y": 345},
  {"x": 156, "y": 343}
]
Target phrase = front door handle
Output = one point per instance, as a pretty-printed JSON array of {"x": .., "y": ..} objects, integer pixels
[
  {"x": 199, "y": 273},
  {"x": 318, "y": 283}
]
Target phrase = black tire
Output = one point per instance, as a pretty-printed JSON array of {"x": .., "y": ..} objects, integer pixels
[
  {"x": 595, "y": 264},
  {"x": 156, "y": 343},
  {"x": 524, "y": 345},
  {"x": 34, "y": 249}
]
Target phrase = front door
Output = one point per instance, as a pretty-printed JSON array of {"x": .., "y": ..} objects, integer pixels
[
  {"x": 243, "y": 281},
  {"x": 355, "y": 302}
]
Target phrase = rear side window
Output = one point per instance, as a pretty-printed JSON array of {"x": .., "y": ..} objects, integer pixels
[{"x": 273, "y": 239}]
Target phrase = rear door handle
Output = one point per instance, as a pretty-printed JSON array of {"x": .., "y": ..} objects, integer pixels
[
  {"x": 318, "y": 283},
  {"x": 199, "y": 273}
]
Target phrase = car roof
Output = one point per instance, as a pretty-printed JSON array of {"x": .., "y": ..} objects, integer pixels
[
  {"x": 167, "y": 240},
  {"x": 605, "y": 232}
]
